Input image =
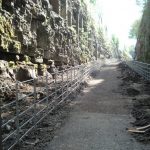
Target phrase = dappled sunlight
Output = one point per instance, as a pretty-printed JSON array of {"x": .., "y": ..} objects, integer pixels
[
  {"x": 92, "y": 84},
  {"x": 87, "y": 90},
  {"x": 95, "y": 82}
]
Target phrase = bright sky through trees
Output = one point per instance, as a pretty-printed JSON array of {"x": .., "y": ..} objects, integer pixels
[{"x": 118, "y": 16}]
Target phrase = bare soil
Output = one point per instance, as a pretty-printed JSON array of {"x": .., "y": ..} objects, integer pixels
[{"x": 138, "y": 89}]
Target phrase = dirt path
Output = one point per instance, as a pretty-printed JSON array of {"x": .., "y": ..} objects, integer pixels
[{"x": 99, "y": 118}]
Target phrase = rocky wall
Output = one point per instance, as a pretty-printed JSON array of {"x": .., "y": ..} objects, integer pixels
[
  {"x": 143, "y": 41},
  {"x": 35, "y": 28}
]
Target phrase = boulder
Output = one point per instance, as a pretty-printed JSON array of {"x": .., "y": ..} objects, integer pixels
[
  {"x": 63, "y": 59},
  {"x": 52, "y": 70},
  {"x": 24, "y": 73},
  {"x": 3, "y": 69}
]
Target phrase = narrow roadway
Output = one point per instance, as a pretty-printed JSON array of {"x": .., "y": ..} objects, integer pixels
[{"x": 99, "y": 118}]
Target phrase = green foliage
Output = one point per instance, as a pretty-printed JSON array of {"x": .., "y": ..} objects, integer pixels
[
  {"x": 115, "y": 42},
  {"x": 132, "y": 51},
  {"x": 93, "y": 2},
  {"x": 143, "y": 44},
  {"x": 0, "y": 3},
  {"x": 133, "y": 34},
  {"x": 141, "y": 3},
  {"x": 102, "y": 37},
  {"x": 115, "y": 46},
  {"x": 128, "y": 53}
]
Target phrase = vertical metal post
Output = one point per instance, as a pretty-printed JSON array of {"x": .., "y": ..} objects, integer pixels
[
  {"x": 55, "y": 85},
  {"x": 42, "y": 83},
  {"x": 83, "y": 72},
  {"x": 17, "y": 111},
  {"x": 1, "y": 147},
  {"x": 71, "y": 77},
  {"x": 34, "y": 101},
  {"x": 41, "y": 80},
  {"x": 62, "y": 86},
  {"x": 74, "y": 72},
  {"x": 149, "y": 72},
  {"x": 80, "y": 72},
  {"x": 47, "y": 94},
  {"x": 67, "y": 83},
  {"x": 78, "y": 20},
  {"x": 78, "y": 76},
  {"x": 96, "y": 50},
  {"x": 66, "y": 13},
  {"x": 71, "y": 12}
]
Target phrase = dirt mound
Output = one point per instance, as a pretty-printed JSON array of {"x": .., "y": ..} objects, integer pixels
[
  {"x": 132, "y": 92},
  {"x": 139, "y": 89},
  {"x": 128, "y": 74}
]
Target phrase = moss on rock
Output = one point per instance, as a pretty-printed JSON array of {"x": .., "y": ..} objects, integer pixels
[
  {"x": 7, "y": 37},
  {"x": 6, "y": 27},
  {"x": 4, "y": 43},
  {"x": 11, "y": 64},
  {"x": 17, "y": 46}
]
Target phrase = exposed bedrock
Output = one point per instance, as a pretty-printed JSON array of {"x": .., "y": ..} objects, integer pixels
[
  {"x": 40, "y": 31},
  {"x": 45, "y": 29}
]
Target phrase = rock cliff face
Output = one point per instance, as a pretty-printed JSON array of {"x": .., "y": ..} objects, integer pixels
[
  {"x": 143, "y": 41},
  {"x": 46, "y": 30}
]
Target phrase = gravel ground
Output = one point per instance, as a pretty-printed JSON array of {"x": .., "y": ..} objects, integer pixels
[{"x": 99, "y": 117}]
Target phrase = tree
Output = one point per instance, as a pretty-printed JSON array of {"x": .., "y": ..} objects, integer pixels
[
  {"x": 132, "y": 51},
  {"x": 133, "y": 34},
  {"x": 93, "y": 2},
  {"x": 143, "y": 41},
  {"x": 115, "y": 46},
  {"x": 141, "y": 2}
]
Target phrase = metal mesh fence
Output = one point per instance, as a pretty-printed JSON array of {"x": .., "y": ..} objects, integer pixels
[
  {"x": 141, "y": 68},
  {"x": 30, "y": 106}
]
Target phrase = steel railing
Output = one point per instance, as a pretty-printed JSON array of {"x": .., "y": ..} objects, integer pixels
[
  {"x": 143, "y": 69},
  {"x": 35, "y": 99}
]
